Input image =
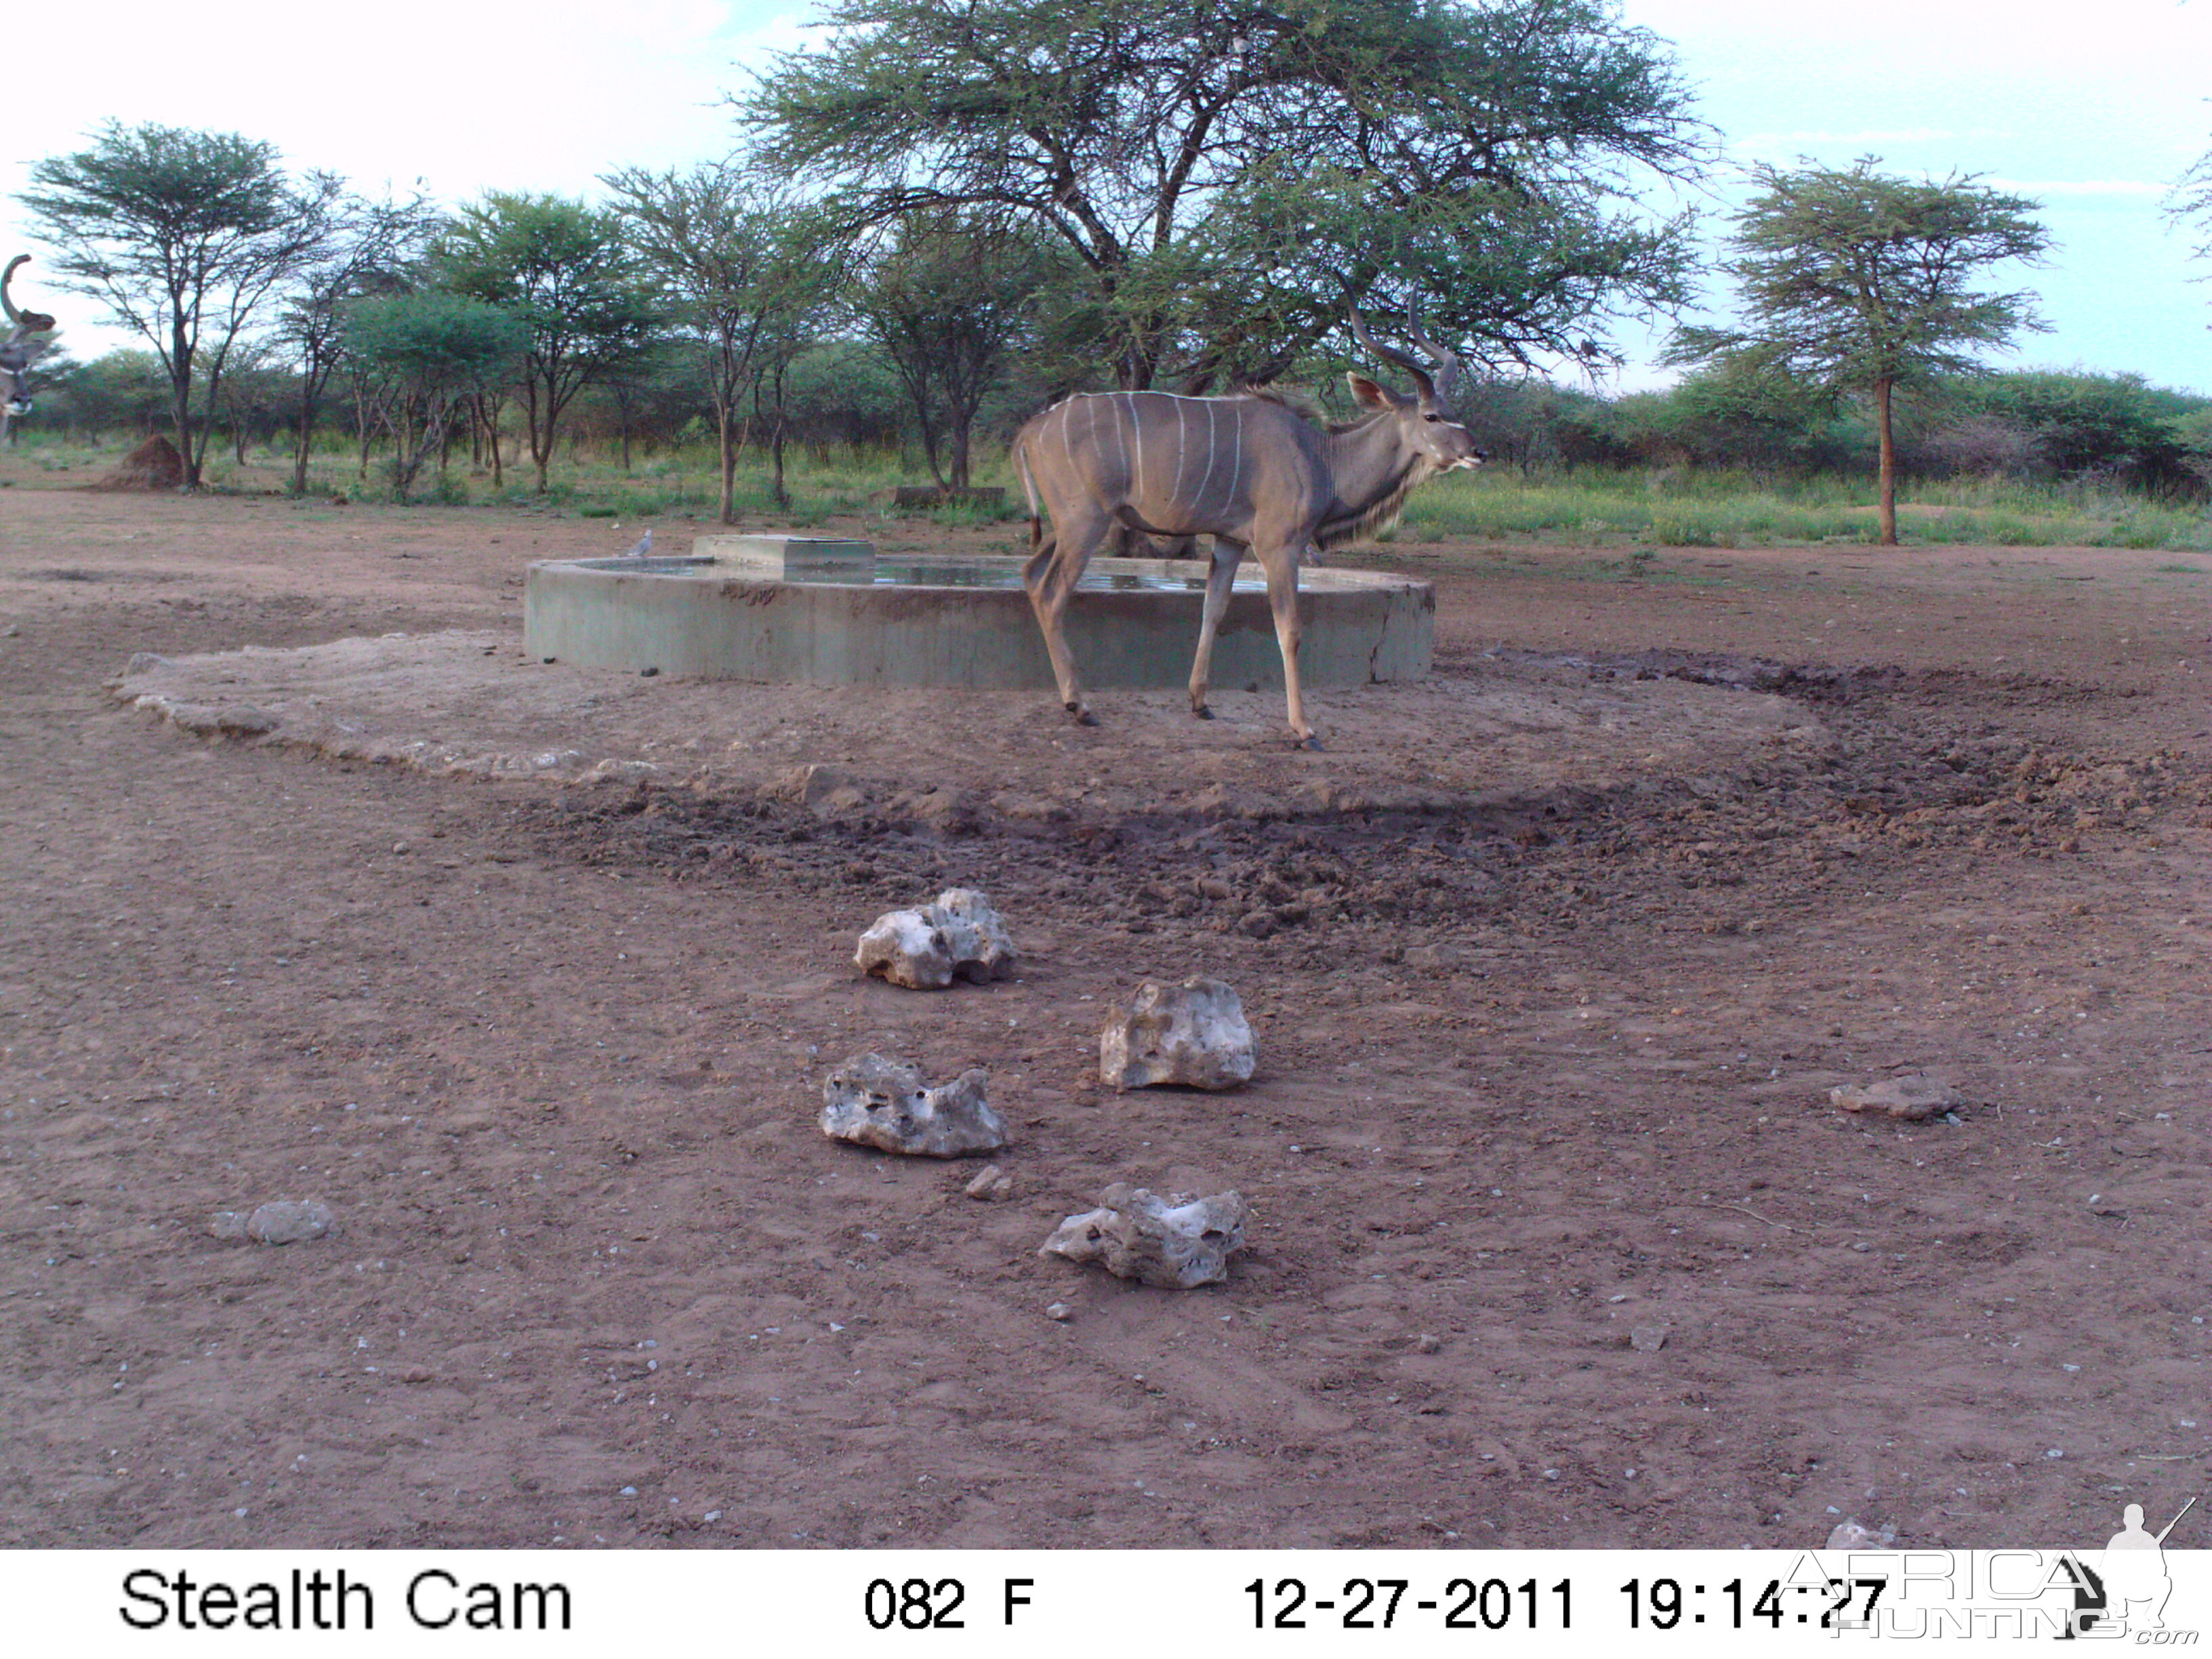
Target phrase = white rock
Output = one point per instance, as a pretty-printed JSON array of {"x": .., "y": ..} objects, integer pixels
[
  {"x": 879, "y": 1103},
  {"x": 908, "y": 948},
  {"x": 959, "y": 936},
  {"x": 1176, "y": 1242},
  {"x": 1855, "y": 1534},
  {"x": 1193, "y": 1033},
  {"x": 982, "y": 950}
]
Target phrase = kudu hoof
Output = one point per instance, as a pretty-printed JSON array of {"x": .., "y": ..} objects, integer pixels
[
  {"x": 1081, "y": 715},
  {"x": 1202, "y": 712},
  {"x": 1309, "y": 742}
]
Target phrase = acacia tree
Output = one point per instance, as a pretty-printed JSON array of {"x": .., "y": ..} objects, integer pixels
[
  {"x": 371, "y": 247},
  {"x": 2190, "y": 203},
  {"x": 1223, "y": 171},
  {"x": 797, "y": 291},
  {"x": 561, "y": 268},
  {"x": 185, "y": 236},
  {"x": 425, "y": 355},
  {"x": 708, "y": 237},
  {"x": 254, "y": 392},
  {"x": 1858, "y": 282},
  {"x": 948, "y": 300}
]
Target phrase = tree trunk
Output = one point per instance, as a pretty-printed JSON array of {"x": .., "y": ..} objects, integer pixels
[
  {"x": 775, "y": 378},
  {"x": 541, "y": 433},
  {"x": 180, "y": 402},
  {"x": 196, "y": 459},
  {"x": 1881, "y": 389},
  {"x": 491, "y": 434},
  {"x": 959, "y": 440},
  {"x": 306, "y": 444},
  {"x": 362, "y": 428},
  {"x": 727, "y": 432},
  {"x": 180, "y": 417},
  {"x": 929, "y": 450},
  {"x": 396, "y": 421}
]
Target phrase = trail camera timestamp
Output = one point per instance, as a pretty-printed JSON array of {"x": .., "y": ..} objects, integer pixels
[
  {"x": 1396, "y": 1603},
  {"x": 1834, "y": 1603}
]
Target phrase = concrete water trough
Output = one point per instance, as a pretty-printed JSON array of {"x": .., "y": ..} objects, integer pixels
[{"x": 822, "y": 612}]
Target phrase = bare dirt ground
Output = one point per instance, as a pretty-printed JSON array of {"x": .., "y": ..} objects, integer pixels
[{"x": 1554, "y": 960}]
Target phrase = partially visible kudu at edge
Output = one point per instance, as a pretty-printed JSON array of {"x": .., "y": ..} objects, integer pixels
[{"x": 18, "y": 348}]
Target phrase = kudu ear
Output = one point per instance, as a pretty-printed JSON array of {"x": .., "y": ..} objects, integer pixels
[{"x": 1373, "y": 396}]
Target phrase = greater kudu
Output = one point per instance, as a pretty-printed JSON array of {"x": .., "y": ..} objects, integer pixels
[
  {"x": 1246, "y": 470},
  {"x": 17, "y": 350}
]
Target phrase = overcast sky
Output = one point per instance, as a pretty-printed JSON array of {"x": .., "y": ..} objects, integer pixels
[{"x": 2094, "y": 119}]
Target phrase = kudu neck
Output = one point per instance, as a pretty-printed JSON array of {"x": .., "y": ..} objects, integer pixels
[
  {"x": 1373, "y": 466},
  {"x": 1372, "y": 457}
]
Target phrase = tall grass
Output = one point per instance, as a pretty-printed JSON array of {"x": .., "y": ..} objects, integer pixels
[
  {"x": 682, "y": 482},
  {"x": 1659, "y": 507},
  {"x": 1671, "y": 509}
]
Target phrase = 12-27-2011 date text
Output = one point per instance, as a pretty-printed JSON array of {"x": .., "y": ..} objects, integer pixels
[{"x": 1465, "y": 1603}]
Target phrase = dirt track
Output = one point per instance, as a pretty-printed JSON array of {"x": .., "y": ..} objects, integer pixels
[{"x": 1544, "y": 1058}]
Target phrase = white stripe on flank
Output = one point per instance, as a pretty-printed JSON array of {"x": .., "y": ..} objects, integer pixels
[
  {"x": 1066, "y": 439},
  {"x": 1236, "y": 476},
  {"x": 1137, "y": 442},
  {"x": 1121, "y": 450},
  {"x": 1182, "y": 445},
  {"x": 1203, "y": 482}
]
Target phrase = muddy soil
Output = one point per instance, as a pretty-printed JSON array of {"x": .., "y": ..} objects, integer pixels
[{"x": 1549, "y": 1002}]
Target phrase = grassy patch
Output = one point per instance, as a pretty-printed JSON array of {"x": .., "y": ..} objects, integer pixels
[
  {"x": 1669, "y": 508},
  {"x": 1593, "y": 507}
]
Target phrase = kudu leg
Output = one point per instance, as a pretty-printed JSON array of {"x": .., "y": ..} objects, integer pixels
[
  {"x": 1219, "y": 580},
  {"x": 1283, "y": 600},
  {"x": 1050, "y": 576}
]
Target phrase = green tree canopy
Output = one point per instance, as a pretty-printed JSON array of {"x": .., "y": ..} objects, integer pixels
[
  {"x": 947, "y": 299},
  {"x": 425, "y": 354},
  {"x": 799, "y": 291},
  {"x": 561, "y": 269},
  {"x": 2190, "y": 203},
  {"x": 2083, "y": 425},
  {"x": 1856, "y": 280},
  {"x": 709, "y": 239},
  {"x": 1735, "y": 412},
  {"x": 372, "y": 248},
  {"x": 1225, "y": 172},
  {"x": 185, "y": 236}
]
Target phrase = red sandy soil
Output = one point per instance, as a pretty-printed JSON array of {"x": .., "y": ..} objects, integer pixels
[{"x": 1554, "y": 960}]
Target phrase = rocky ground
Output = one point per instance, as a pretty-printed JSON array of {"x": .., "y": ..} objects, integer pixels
[{"x": 1556, "y": 1237}]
